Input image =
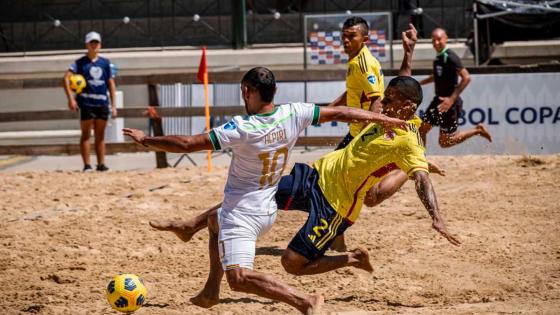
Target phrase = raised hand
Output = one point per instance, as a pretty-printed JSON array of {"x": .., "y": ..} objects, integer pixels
[{"x": 409, "y": 38}]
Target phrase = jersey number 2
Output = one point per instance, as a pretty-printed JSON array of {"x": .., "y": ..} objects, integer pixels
[{"x": 269, "y": 176}]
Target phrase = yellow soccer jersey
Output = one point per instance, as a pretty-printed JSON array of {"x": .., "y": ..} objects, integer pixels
[
  {"x": 346, "y": 175},
  {"x": 364, "y": 79}
]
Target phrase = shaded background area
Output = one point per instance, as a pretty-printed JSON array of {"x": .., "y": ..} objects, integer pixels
[{"x": 36, "y": 25}]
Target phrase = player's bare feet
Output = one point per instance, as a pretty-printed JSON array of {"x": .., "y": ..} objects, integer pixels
[
  {"x": 339, "y": 244},
  {"x": 316, "y": 301},
  {"x": 435, "y": 169},
  {"x": 205, "y": 301},
  {"x": 183, "y": 229},
  {"x": 361, "y": 254},
  {"x": 483, "y": 132}
]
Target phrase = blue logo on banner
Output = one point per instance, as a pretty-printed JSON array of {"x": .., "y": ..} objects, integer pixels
[
  {"x": 371, "y": 79},
  {"x": 230, "y": 125}
]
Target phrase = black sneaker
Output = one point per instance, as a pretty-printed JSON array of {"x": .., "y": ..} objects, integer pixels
[
  {"x": 102, "y": 168},
  {"x": 87, "y": 168}
]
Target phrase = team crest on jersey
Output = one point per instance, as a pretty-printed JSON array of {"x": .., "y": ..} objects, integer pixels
[
  {"x": 371, "y": 79},
  {"x": 439, "y": 70},
  {"x": 389, "y": 135},
  {"x": 95, "y": 72},
  {"x": 230, "y": 125}
]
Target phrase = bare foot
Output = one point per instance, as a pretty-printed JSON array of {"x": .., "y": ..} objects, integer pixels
[
  {"x": 361, "y": 254},
  {"x": 339, "y": 244},
  {"x": 204, "y": 301},
  {"x": 435, "y": 169},
  {"x": 483, "y": 132},
  {"x": 183, "y": 229},
  {"x": 316, "y": 301}
]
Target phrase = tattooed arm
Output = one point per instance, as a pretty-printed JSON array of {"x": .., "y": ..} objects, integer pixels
[{"x": 427, "y": 195}]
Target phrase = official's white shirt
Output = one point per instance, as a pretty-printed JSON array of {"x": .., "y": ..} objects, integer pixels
[{"x": 261, "y": 146}]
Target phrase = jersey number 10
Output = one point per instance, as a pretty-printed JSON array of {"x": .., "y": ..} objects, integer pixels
[{"x": 269, "y": 176}]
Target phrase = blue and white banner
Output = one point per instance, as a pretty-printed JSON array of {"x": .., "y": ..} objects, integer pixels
[{"x": 521, "y": 110}]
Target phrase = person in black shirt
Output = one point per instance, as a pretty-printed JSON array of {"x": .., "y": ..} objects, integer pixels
[{"x": 446, "y": 106}]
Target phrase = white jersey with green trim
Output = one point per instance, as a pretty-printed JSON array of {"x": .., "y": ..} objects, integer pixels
[{"x": 261, "y": 146}]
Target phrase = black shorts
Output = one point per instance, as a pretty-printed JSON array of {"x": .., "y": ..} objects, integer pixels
[
  {"x": 300, "y": 190},
  {"x": 347, "y": 139},
  {"x": 94, "y": 112},
  {"x": 448, "y": 121}
]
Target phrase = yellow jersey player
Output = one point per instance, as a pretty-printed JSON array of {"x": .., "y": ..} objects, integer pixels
[
  {"x": 364, "y": 78},
  {"x": 334, "y": 189}
]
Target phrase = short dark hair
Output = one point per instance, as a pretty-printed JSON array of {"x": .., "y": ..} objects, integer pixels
[
  {"x": 409, "y": 88},
  {"x": 356, "y": 20},
  {"x": 261, "y": 79}
]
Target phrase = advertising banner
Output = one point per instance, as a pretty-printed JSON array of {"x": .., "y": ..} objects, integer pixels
[{"x": 521, "y": 110}]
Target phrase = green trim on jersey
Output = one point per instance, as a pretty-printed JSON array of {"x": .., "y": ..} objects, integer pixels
[
  {"x": 268, "y": 114},
  {"x": 251, "y": 127},
  {"x": 316, "y": 113},
  {"x": 214, "y": 140}
]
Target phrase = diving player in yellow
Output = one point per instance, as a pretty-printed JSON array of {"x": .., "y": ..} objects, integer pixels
[
  {"x": 334, "y": 189},
  {"x": 346, "y": 175},
  {"x": 364, "y": 78}
]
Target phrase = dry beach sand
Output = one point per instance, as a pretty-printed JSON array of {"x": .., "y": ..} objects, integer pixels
[{"x": 64, "y": 234}]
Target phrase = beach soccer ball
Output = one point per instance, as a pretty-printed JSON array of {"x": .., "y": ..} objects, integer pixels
[
  {"x": 77, "y": 83},
  {"x": 126, "y": 293}
]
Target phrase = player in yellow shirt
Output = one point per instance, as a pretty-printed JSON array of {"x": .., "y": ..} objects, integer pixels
[
  {"x": 364, "y": 84},
  {"x": 364, "y": 78},
  {"x": 334, "y": 189}
]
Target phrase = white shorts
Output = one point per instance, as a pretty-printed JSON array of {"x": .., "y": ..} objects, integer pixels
[{"x": 238, "y": 236}]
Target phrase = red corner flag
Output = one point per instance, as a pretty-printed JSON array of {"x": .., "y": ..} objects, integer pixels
[
  {"x": 202, "y": 68},
  {"x": 202, "y": 76}
]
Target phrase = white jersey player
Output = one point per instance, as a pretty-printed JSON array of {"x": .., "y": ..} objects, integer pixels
[{"x": 261, "y": 145}]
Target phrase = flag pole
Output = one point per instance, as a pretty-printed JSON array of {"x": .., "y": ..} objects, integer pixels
[
  {"x": 207, "y": 114},
  {"x": 202, "y": 76}
]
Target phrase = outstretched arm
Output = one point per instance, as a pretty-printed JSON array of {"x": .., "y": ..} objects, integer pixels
[
  {"x": 174, "y": 144},
  {"x": 409, "y": 39},
  {"x": 427, "y": 195},
  {"x": 347, "y": 114}
]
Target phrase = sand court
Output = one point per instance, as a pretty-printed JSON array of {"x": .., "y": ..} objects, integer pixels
[{"x": 64, "y": 234}]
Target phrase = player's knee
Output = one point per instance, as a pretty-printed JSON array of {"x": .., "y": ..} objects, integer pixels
[
  {"x": 371, "y": 198},
  {"x": 444, "y": 142},
  {"x": 99, "y": 135},
  {"x": 290, "y": 264},
  {"x": 85, "y": 136},
  {"x": 213, "y": 222},
  {"x": 236, "y": 279}
]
